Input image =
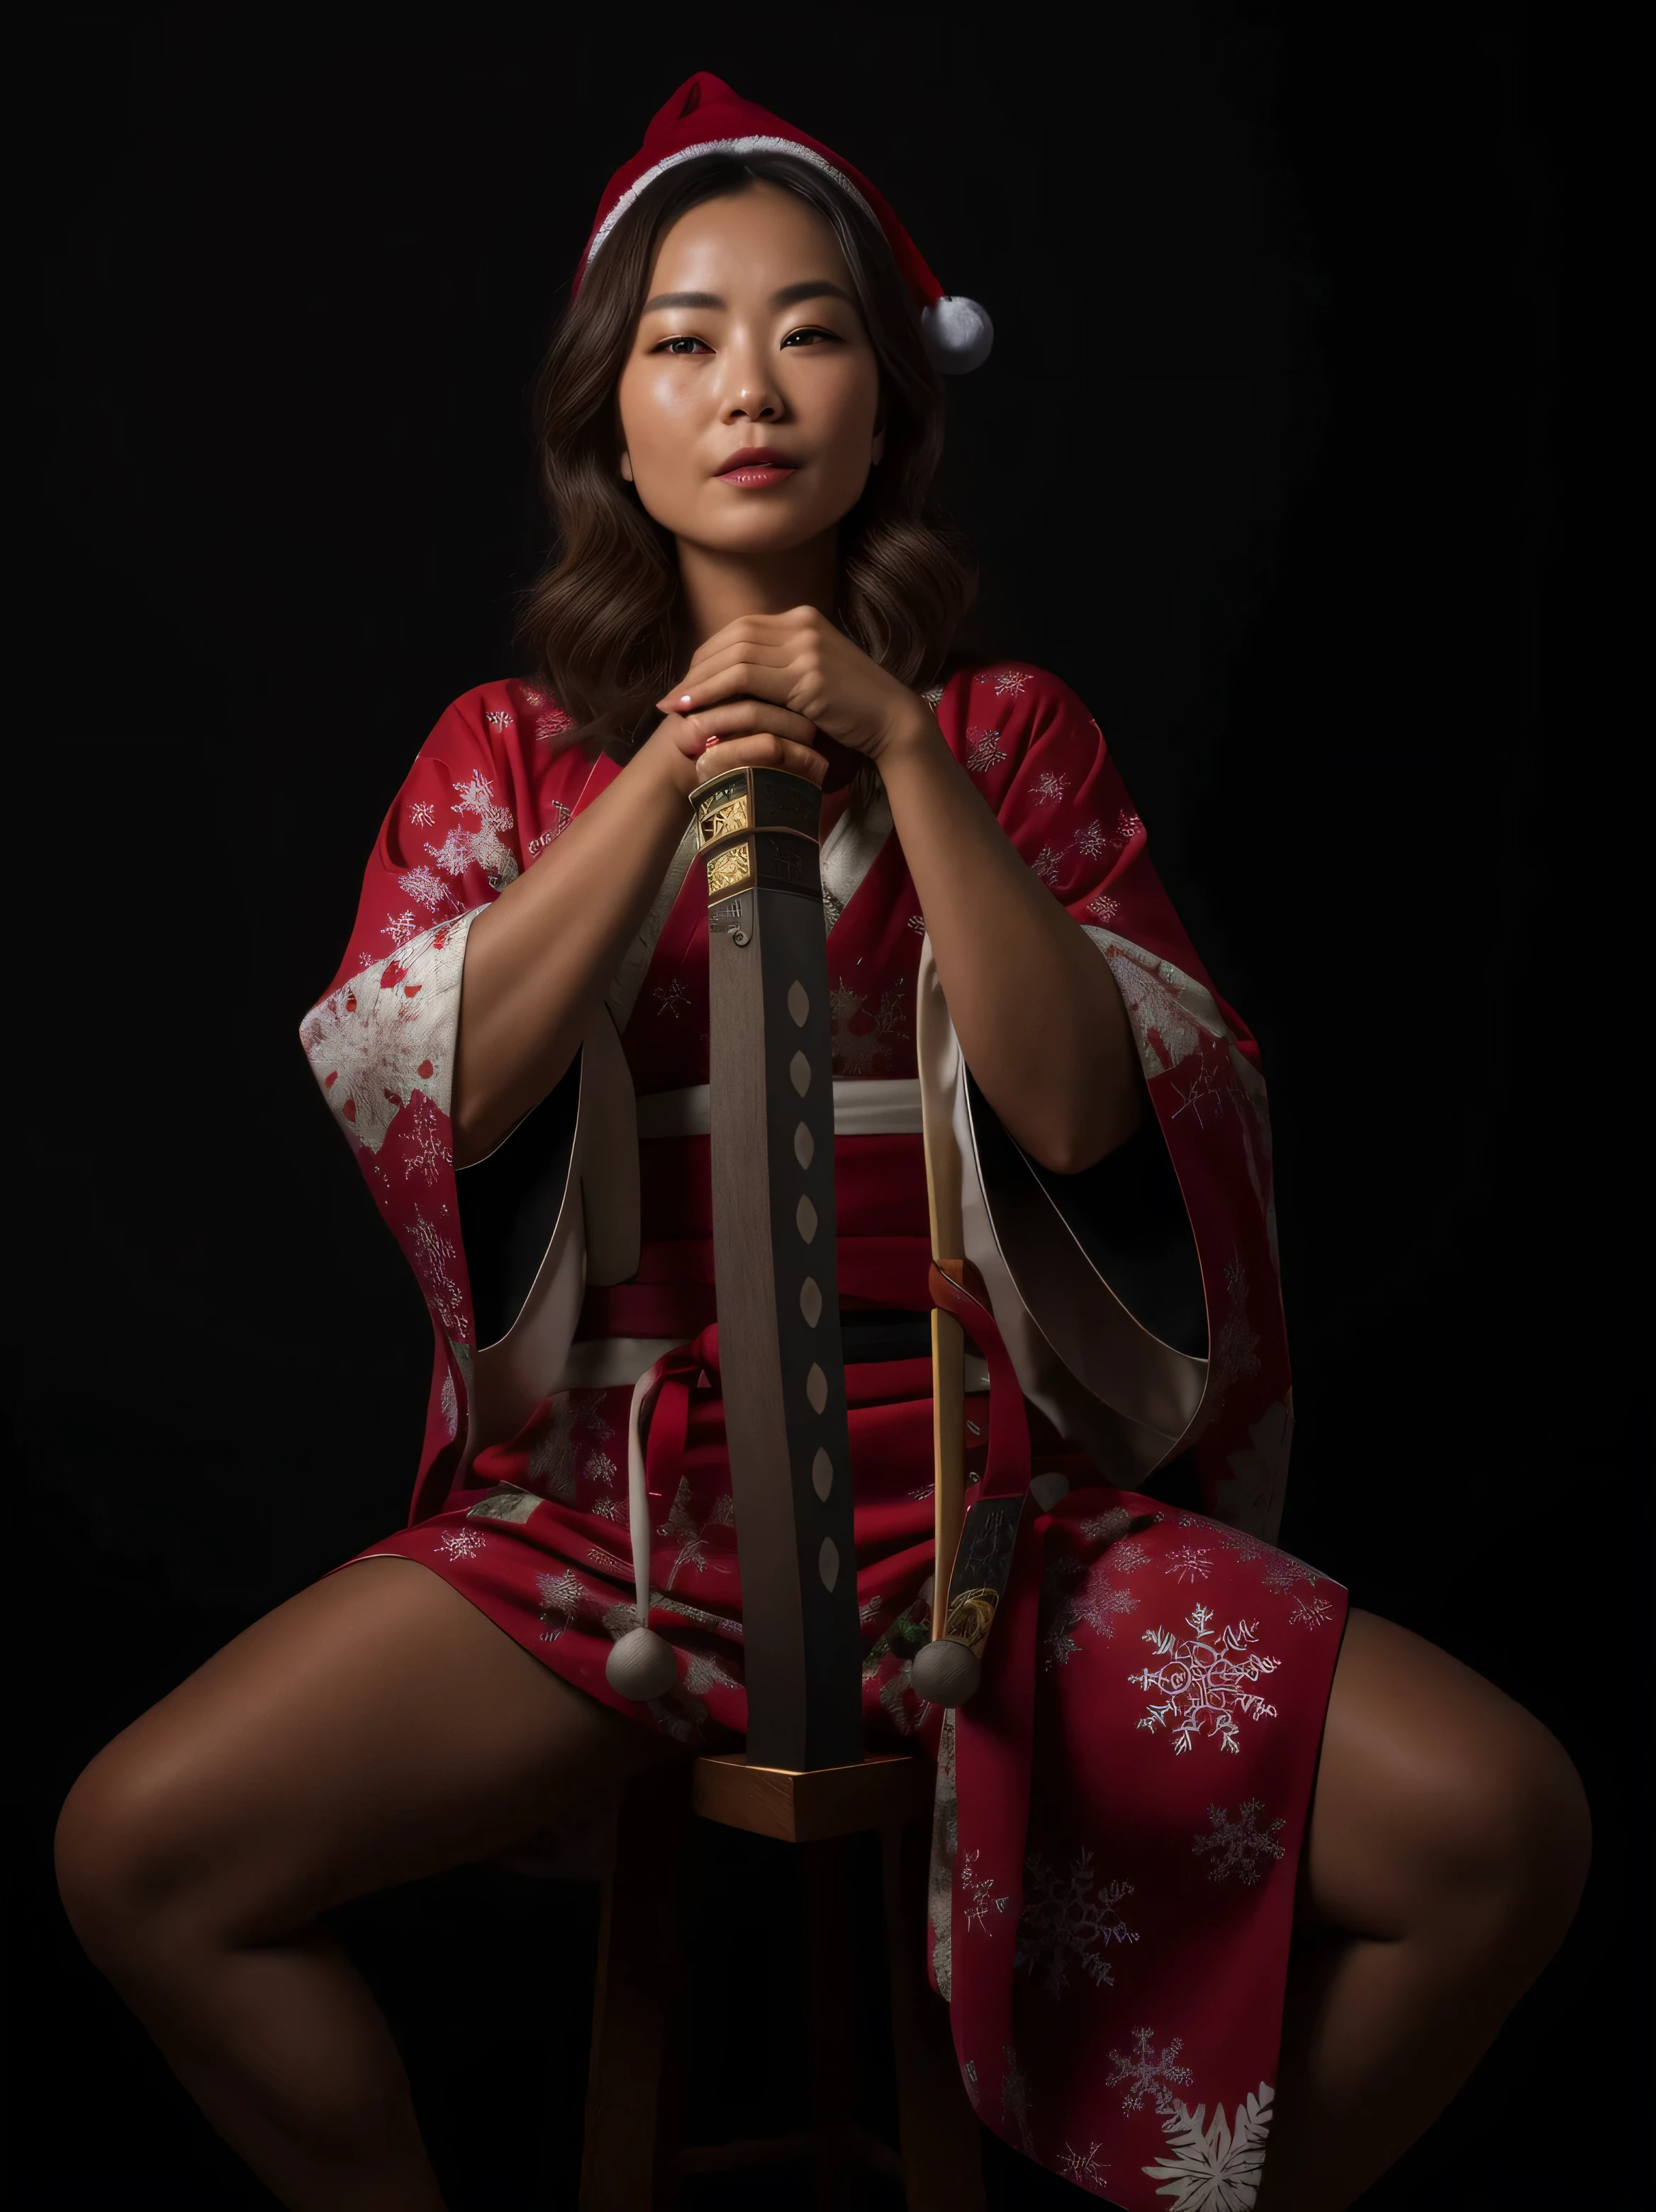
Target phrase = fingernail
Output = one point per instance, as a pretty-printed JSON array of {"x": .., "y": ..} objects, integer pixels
[{"x": 683, "y": 698}]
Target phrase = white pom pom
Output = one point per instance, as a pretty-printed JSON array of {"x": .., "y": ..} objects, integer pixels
[
  {"x": 958, "y": 335},
  {"x": 642, "y": 1665},
  {"x": 945, "y": 1672}
]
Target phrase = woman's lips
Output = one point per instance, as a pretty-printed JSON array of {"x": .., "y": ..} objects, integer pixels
[{"x": 755, "y": 466}]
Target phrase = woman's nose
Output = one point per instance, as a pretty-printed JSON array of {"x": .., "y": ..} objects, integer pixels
[{"x": 750, "y": 395}]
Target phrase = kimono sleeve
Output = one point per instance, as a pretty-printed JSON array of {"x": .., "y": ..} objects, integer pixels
[
  {"x": 1042, "y": 761},
  {"x": 380, "y": 1041}
]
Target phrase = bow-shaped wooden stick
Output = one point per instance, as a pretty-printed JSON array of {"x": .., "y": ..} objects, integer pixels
[{"x": 942, "y": 1190}]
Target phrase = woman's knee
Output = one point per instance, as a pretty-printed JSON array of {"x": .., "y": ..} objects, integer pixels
[
  {"x": 1442, "y": 1800},
  {"x": 123, "y": 1851}
]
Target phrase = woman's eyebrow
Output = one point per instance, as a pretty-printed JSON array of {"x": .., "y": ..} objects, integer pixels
[
  {"x": 808, "y": 288},
  {"x": 683, "y": 300},
  {"x": 812, "y": 287}
]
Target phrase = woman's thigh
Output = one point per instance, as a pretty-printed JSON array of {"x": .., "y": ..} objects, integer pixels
[
  {"x": 1436, "y": 1793},
  {"x": 375, "y": 1729}
]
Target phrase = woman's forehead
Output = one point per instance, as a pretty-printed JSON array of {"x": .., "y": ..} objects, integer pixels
[{"x": 751, "y": 241}]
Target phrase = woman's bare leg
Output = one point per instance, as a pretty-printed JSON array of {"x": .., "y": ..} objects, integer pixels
[
  {"x": 376, "y": 1728},
  {"x": 1447, "y": 1846}
]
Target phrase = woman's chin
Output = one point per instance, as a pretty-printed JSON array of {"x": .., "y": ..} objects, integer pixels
[{"x": 755, "y": 536}]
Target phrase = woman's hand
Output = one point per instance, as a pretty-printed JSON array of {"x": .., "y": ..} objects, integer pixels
[
  {"x": 797, "y": 662},
  {"x": 739, "y": 733}
]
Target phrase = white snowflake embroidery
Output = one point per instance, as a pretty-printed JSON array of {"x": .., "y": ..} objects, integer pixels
[
  {"x": 1049, "y": 786},
  {"x": 690, "y": 1533},
  {"x": 427, "y": 889},
  {"x": 561, "y": 1599},
  {"x": 985, "y": 753},
  {"x": 1082, "y": 2167},
  {"x": 458, "y": 1544},
  {"x": 431, "y": 1252},
  {"x": 1217, "y": 2171},
  {"x": 1279, "y": 1571},
  {"x": 1128, "y": 1556},
  {"x": 551, "y": 1469},
  {"x": 497, "y": 717},
  {"x": 1070, "y": 1919},
  {"x": 1010, "y": 684},
  {"x": 1167, "y": 1034},
  {"x": 1089, "y": 840},
  {"x": 1237, "y": 1846},
  {"x": 1127, "y": 827},
  {"x": 933, "y": 698},
  {"x": 1189, "y": 1564},
  {"x": 450, "y": 1403},
  {"x": 1048, "y": 865},
  {"x": 1311, "y": 1612},
  {"x": 553, "y": 725},
  {"x": 978, "y": 1895},
  {"x": 423, "y": 814},
  {"x": 1236, "y": 1350},
  {"x": 1201, "y": 1680},
  {"x": 1104, "y": 907},
  {"x": 425, "y": 1152},
  {"x": 561, "y": 818},
  {"x": 916, "y": 923},
  {"x": 1148, "y": 2072},
  {"x": 857, "y": 1051},
  {"x": 1205, "y": 1096},
  {"x": 670, "y": 998},
  {"x": 399, "y": 928},
  {"x": 705, "y": 1671},
  {"x": 1076, "y": 1594},
  {"x": 482, "y": 848}
]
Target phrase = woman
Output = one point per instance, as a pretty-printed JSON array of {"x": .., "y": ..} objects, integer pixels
[{"x": 1236, "y": 1914}]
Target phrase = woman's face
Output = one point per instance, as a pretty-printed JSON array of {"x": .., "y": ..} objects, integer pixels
[{"x": 750, "y": 349}]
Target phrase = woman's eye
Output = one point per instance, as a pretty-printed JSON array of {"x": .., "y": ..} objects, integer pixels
[
  {"x": 806, "y": 337},
  {"x": 681, "y": 346}
]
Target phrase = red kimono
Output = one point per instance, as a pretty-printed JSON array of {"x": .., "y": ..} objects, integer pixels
[{"x": 1120, "y": 1813}]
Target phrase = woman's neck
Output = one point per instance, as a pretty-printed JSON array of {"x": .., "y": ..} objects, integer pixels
[{"x": 720, "y": 587}]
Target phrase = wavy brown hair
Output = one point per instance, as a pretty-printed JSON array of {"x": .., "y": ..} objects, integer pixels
[{"x": 603, "y": 620}]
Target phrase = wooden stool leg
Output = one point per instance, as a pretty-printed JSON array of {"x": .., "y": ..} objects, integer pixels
[
  {"x": 943, "y": 2165},
  {"x": 630, "y": 2153},
  {"x": 831, "y": 2029}
]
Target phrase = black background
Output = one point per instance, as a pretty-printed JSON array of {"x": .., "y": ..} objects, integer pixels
[{"x": 1282, "y": 460}]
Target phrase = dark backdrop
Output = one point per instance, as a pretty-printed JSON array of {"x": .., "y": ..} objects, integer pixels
[{"x": 1277, "y": 460}]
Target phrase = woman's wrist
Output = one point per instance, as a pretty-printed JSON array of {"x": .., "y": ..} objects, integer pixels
[
  {"x": 662, "y": 765},
  {"x": 911, "y": 739}
]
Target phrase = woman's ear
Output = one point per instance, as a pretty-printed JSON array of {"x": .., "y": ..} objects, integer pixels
[{"x": 626, "y": 467}]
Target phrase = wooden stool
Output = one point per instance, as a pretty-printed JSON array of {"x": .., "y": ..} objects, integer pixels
[{"x": 632, "y": 2158}]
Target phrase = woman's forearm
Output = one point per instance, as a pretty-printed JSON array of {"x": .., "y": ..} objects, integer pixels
[
  {"x": 539, "y": 960},
  {"x": 1039, "y": 1019}
]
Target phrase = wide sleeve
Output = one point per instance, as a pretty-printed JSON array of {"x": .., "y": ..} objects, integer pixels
[
  {"x": 380, "y": 1040},
  {"x": 1206, "y": 1299}
]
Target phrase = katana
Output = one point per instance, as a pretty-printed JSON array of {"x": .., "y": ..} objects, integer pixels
[{"x": 782, "y": 1362}]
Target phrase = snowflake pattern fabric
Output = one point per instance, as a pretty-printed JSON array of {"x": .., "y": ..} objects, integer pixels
[{"x": 1096, "y": 1900}]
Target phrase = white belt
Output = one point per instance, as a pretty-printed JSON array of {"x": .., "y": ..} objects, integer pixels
[
  {"x": 608, "y": 1363},
  {"x": 874, "y": 1107}
]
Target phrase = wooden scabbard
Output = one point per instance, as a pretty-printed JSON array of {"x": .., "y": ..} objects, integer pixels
[{"x": 781, "y": 1364}]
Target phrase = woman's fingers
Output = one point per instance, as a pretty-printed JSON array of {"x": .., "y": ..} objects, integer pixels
[
  {"x": 749, "y": 718},
  {"x": 753, "y": 679},
  {"x": 710, "y": 665},
  {"x": 762, "y": 750}
]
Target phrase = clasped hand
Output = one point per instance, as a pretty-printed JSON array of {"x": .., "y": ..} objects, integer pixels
[{"x": 767, "y": 689}]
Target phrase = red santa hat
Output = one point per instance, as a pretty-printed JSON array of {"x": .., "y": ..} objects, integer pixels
[{"x": 704, "y": 116}]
